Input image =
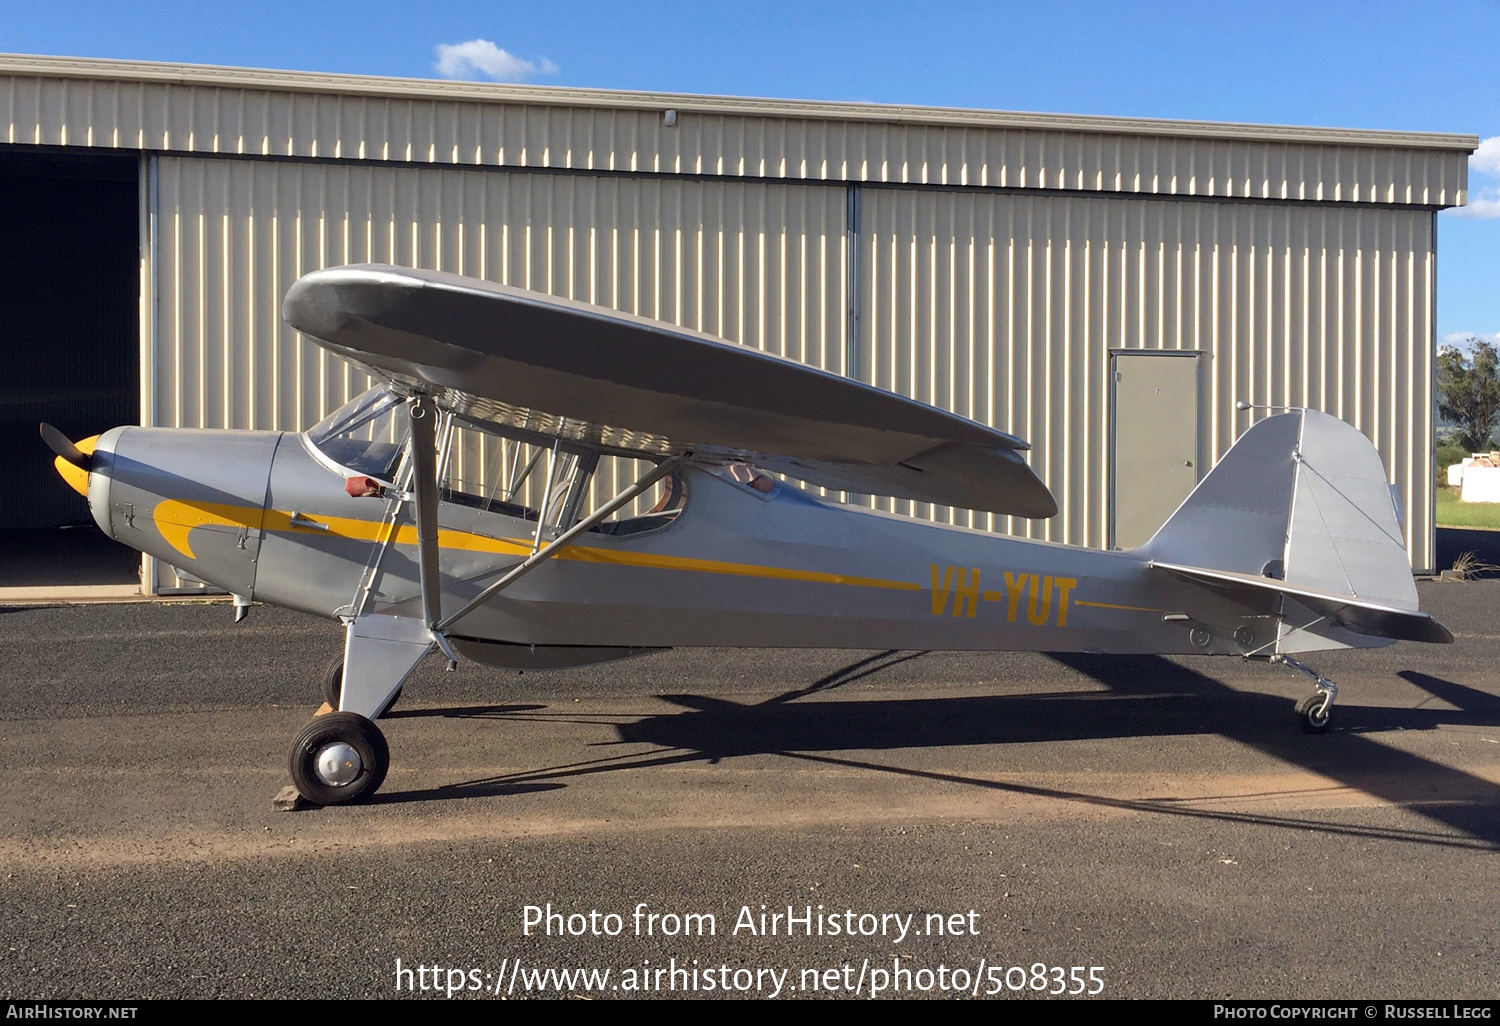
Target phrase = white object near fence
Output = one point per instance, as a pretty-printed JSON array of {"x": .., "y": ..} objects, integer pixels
[{"x": 1481, "y": 484}]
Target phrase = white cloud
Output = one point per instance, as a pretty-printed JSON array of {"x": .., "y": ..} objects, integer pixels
[
  {"x": 1483, "y": 205},
  {"x": 1461, "y": 338},
  {"x": 1486, "y": 159},
  {"x": 480, "y": 57},
  {"x": 1484, "y": 199}
]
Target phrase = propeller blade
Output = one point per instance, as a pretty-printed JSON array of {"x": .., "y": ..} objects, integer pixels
[{"x": 60, "y": 444}]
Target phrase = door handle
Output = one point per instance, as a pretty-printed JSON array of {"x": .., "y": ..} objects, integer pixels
[{"x": 298, "y": 520}]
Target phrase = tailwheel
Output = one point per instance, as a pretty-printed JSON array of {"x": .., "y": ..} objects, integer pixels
[
  {"x": 339, "y": 758},
  {"x": 1316, "y": 712}
]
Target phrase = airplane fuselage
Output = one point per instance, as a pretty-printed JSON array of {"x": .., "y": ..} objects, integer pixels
[{"x": 257, "y": 514}]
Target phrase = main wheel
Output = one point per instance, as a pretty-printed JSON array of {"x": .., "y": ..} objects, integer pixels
[
  {"x": 339, "y": 758},
  {"x": 333, "y": 681},
  {"x": 1315, "y": 716},
  {"x": 333, "y": 686}
]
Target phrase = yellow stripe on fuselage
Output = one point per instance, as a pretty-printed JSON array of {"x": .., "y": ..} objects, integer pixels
[
  {"x": 714, "y": 566},
  {"x": 176, "y": 519},
  {"x": 1111, "y": 605}
]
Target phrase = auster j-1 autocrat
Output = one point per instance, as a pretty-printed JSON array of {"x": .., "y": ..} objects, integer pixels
[{"x": 1291, "y": 544}]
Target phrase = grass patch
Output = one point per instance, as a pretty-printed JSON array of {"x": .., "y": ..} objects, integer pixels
[{"x": 1451, "y": 512}]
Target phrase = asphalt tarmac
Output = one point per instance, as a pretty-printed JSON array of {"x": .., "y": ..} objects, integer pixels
[{"x": 1163, "y": 820}]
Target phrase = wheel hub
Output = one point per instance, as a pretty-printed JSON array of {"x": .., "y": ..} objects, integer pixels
[{"x": 337, "y": 764}]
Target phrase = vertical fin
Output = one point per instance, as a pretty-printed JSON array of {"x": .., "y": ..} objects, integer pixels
[{"x": 1301, "y": 498}]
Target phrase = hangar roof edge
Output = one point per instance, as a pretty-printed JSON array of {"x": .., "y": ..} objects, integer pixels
[{"x": 201, "y": 75}]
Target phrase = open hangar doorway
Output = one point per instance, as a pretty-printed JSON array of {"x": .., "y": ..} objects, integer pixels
[{"x": 69, "y": 351}]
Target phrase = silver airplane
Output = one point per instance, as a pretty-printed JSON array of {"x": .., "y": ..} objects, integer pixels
[{"x": 448, "y": 510}]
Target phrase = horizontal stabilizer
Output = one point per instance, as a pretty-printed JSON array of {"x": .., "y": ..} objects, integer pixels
[{"x": 1361, "y": 616}]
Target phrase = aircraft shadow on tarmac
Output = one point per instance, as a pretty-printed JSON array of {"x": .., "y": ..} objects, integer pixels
[
  {"x": 465, "y": 712},
  {"x": 471, "y": 789},
  {"x": 1144, "y": 696}
]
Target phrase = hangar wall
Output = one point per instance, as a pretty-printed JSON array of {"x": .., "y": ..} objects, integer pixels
[
  {"x": 1004, "y": 308},
  {"x": 760, "y": 263},
  {"x": 988, "y": 262}
]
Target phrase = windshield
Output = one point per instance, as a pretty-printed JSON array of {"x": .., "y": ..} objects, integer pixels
[{"x": 365, "y": 435}]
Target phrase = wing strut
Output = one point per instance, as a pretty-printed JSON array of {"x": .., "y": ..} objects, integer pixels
[
  {"x": 539, "y": 557},
  {"x": 424, "y": 453}
]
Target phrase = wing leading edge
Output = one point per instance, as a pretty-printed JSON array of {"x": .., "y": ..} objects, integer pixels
[{"x": 638, "y": 386}]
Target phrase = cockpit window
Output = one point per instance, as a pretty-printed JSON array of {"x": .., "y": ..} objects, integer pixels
[
  {"x": 529, "y": 481},
  {"x": 670, "y": 501},
  {"x": 481, "y": 469},
  {"x": 364, "y": 436},
  {"x": 488, "y": 472}
]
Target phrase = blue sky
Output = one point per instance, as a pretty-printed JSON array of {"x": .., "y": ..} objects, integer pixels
[{"x": 1427, "y": 67}]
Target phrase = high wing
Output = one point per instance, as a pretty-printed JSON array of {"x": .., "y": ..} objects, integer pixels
[{"x": 633, "y": 386}]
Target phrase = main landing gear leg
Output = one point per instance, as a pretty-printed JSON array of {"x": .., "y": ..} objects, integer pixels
[
  {"x": 342, "y": 757},
  {"x": 1316, "y": 710}
]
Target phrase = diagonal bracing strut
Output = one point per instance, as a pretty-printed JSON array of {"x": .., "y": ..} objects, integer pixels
[
  {"x": 552, "y": 548},
  {"x": 425, "y": 485},
  {"x": 535, "y": 560}
]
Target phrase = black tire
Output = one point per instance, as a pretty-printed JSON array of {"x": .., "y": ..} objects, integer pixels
[
  {"x": 356, "y": 732},
  {"x": 333, "y": 686},
  {"x": 1312, "y": 721},
  {"x": 333, "y": 681}
]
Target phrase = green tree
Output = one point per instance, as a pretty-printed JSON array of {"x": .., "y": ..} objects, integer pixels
[{"x": 1469, "y": 391}]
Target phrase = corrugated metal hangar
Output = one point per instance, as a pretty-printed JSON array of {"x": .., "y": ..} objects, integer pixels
[{"x": 1106, "y": 288}]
